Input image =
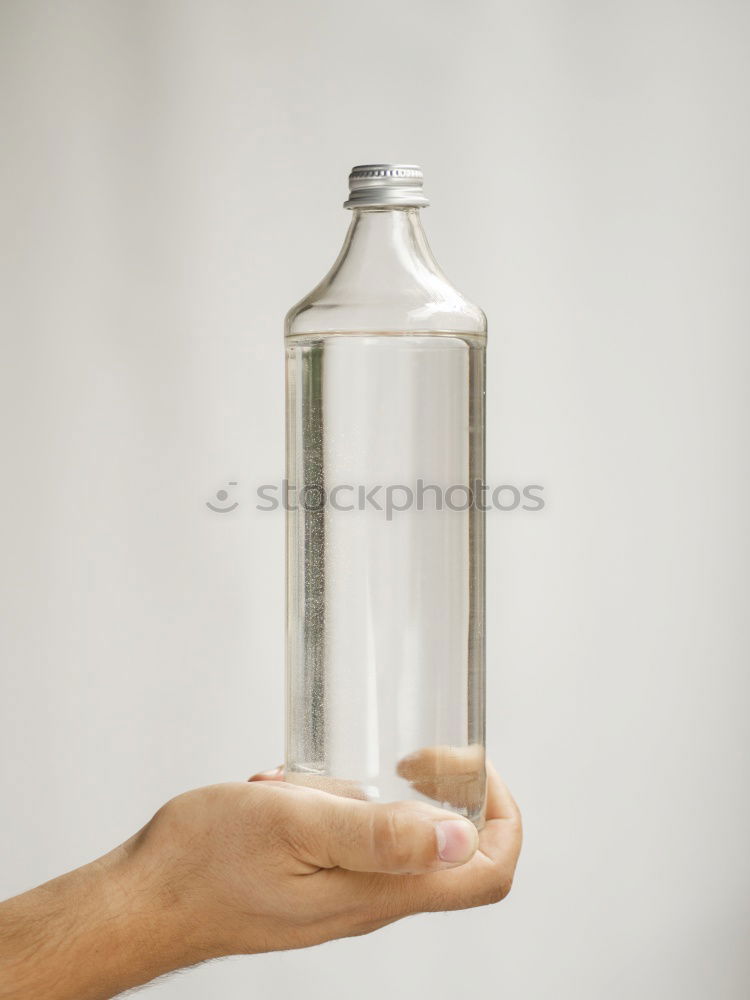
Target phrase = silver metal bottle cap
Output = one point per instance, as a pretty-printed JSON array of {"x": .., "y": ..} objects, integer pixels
[{"x": 375, "y": 185}]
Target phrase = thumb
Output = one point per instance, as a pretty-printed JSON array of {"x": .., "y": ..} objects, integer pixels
[{"x": 393, "y": 838}]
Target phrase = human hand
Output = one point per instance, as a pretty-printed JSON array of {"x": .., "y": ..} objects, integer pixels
[
  {"x": 271, "y": 865},
  {"x": 249, "y": 867}
]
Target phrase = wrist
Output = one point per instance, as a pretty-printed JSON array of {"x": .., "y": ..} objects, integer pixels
[
  {"x": 151, "y": 914},
  {"x": 90, "y": 934}
]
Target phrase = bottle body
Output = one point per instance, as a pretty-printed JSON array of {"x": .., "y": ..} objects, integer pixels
[{"x": 385, "y": 539}]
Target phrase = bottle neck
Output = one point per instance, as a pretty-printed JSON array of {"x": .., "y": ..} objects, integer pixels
[{"x": 386, "y": 249}]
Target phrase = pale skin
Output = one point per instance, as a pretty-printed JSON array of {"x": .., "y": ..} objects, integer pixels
[{"x": 249, "y": 867}]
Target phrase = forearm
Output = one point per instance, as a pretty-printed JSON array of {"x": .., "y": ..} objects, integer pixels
[{"x": 87, "y": 935}]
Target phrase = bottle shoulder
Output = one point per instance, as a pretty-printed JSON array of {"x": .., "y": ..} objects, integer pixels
[{"x": 426, "y": 306}]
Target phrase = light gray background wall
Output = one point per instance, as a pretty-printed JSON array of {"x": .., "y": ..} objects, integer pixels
[{"x": 171, "y": 180}]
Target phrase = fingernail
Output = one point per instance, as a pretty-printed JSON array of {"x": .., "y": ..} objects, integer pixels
[
  {"x": 274, "y": 775},
  {"x": 456, "y": 840}
]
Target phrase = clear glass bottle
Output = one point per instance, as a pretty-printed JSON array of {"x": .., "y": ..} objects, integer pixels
[{"x": 385, "y": 607}]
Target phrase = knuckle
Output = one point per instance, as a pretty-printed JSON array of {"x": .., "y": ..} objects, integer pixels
[
  {"x": 393, "y": 835},
  {"x": 500, "y": 888},
  {"x": 515, "y": 824},
  {"x": 271, "y": 811},
  {"x": 267, "y": 804}
]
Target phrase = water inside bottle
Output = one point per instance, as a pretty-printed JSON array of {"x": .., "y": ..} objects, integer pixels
[{"x": 386, "y": 577}]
